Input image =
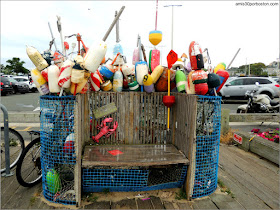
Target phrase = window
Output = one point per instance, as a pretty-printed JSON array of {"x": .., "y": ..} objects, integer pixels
[
  {"x": 264, "y": 81},
  {"x": 236, "y": 82},
  {"x": 250, "y": 81}
]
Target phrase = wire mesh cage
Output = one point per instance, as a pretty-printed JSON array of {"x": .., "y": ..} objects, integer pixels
[
  {"x": 207, "y": 145},
  {"x": 58, "y": 156},
  {"x": 140, "y": 179}
]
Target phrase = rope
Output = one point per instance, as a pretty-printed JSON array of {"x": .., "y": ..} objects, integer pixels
[{"x": 156, "y": 14}]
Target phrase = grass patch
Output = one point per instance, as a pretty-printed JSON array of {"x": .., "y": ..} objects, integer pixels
[
  {"x": 228, "y": 137},
  {"x": 32, "y": 200},
  {"x": 89, "y": 197},
  {"x": 181, "y": 195},
  {"x": 225, "y": 189},
  {"x": 106, "y": 191}
]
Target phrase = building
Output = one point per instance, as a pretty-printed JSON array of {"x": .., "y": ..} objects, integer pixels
[{"x": 273, "y": 69}]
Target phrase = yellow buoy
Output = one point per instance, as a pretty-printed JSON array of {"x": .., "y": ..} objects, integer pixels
[
  {"x": 155, "y": 37},
  {"x": 221, "y": 66}
]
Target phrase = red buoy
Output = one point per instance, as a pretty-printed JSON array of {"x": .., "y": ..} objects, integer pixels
[{"x": 168, "y": 101}]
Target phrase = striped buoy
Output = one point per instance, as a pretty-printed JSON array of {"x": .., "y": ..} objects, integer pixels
[
  {"x": 95, "y": 81},
  {"x": 181, "y": 81},
  {"x": 200, "y": 78},
  {"x": 64, "y": 79},
  {"x": 134, "y": 86},
  {"x": 79, "y": 87},
  {"x": 148, "y": 84},
  {"x": 154, "y": 59}
]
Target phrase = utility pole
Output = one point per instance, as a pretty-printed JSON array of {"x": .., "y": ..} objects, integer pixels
[{"x": 172, "y": 23}]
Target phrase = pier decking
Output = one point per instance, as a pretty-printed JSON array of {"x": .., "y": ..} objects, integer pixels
[{"x": 252, "y": 181}]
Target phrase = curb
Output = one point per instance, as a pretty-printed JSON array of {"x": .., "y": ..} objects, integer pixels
[
  {"x": 259, "y": 146},
  {"x": 258, "y": 117},
  {"x": 23, "y": 117}
]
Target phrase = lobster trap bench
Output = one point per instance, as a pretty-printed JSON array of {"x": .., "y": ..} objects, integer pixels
[{"x": 142, "y": 154}]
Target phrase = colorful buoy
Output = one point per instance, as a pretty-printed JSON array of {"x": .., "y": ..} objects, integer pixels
[{"x": 155, "y": 37}]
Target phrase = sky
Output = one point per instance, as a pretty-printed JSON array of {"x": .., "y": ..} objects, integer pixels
[{"x": 220, "y": 26}]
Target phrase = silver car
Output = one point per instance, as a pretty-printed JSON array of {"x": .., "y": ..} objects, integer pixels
[
  {"x": 24, "y": 79},
  {"x": 238, "y": 86}
]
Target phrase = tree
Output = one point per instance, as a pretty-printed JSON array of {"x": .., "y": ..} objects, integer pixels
[
  {"x": 257, "y": 68},
  {"x": 15, "y": 66}
]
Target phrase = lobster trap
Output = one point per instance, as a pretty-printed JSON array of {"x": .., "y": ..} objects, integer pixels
[
  {"x": 58, "y": 155},
  {"x": 136, "y": 152}
]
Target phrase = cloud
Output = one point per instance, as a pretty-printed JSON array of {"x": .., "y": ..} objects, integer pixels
[{"x": 220, "y": 26}]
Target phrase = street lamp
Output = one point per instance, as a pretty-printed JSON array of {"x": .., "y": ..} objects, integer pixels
[{"x": 172, "y": 23}]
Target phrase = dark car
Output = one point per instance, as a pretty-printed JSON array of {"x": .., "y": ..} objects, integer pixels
[
  {"x": 19, "y": 87},
  {"x": 6, "y": 86}
]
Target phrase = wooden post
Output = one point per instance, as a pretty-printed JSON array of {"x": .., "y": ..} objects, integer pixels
[
  {"x": 224, "y": 121},
  {"x": 78, "y": 138},
  {"x": 191, "y": 107},
  {"x": 81, "y": 128}
]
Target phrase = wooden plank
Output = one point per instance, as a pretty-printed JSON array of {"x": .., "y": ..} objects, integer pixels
[
  {"x": 204, "y": 203},
  {"x": 132, "y": 155},
  {"x": 168, "y": 205},
  {"x": 191, "y": 132},
  {"x": 122, "y": 116},
  {"x": 99, "y": 205},
  {"x": 156, "y": 202},
  {"x": 131, "y": 116},
  {"x": 78, "y": 149},
  {"x": 185, "y": 206},
  {"x": 223, "y": 201},
  {"x": 144, "y": 204},
  {"x": 145, "y": 112},
  {"x": 255, "y": 170},
  {"x": 136, "y": 119},
  {"x": 260, "y": 190},
  {"x": 124, "y": 204},
  {"x": 243, "y": 195},
  {"x": 20, "y": 198}
]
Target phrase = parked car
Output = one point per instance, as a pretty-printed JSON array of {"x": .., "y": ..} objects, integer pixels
[
  {"x": 6, "y": 86},
  {"x": 32, "y": 86},
  {"x": 277, "y": 79},
  {"x": 5, "y": 75},
  {"x": 19, "y": 87},
  {"x": 238, "y": 86}
]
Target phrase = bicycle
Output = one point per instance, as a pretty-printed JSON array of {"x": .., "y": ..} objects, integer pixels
[
  {"x": 16, "y": 147},
  {"x": 28, "y": 174}
]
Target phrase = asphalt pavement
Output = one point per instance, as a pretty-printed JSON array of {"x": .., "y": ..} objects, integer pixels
[
  {"x": 30, "y": 101},
  {"x": 21, "y": 102}
]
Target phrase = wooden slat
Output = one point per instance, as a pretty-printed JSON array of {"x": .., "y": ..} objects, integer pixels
[
  {"x": 78, "y": 148},
  {"x": 132, "y": 155},
  {"x": 131, "y": 116},
  {"x": 191, "y": 136},
  {"x": 136, "y": 125}
]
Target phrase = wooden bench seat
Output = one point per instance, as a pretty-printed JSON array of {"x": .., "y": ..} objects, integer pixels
[{"x": 132, "y": 155}]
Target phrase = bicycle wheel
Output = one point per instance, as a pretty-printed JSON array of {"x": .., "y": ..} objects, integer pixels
[
  {"x": 28, "y": 170},
  {"x": 16, "y": 148}
]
